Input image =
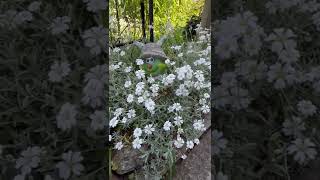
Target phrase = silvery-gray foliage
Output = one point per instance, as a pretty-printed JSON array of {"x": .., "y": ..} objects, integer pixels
[
  {"x": 218, "y": 142},
  {"x": 71, "y": 165},
  {"x": 266, "y": 101},
  {"x": 53, "y": 56}
]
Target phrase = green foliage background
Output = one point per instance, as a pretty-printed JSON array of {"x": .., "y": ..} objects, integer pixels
[{"x": 175, "y": 13}]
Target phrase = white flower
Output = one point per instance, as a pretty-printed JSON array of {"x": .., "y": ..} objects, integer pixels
[
  {"x": 140, "y": 99},
  {"x": 150, "y": 105},
  {"x": 180, "y": 131},
  {"x": 139, "y": 62},
  {"x": 58, "y": 71},
  {"x": 179, "y": 142},
  {"x": 124, "y": 120},
  {"x": 114, "y": 67},
  {"x": 140, "y": 74},
  {"x": 182, "y": 91},
  {"x": 60, "y": 25},
  {"x": 226, "y": 47},
  {"x": 66, "y": 117},
  {"x": 251, "y": 70},
  {"x": 198, "y": 125},
  {"x": 96, "y": 5},
  {"x": 128, "y": 69},
  {"x": 167, "y": 125},
  {"x": 167, "y": 61},
  {"x": 167, "y": 80},
  {"x": 307, "y": 108},
  {"x": 71, "y": 165},
  {"x": 130, "y": 98},
  {"x": 22, "y": 17},
  {"x": 293, "y": 126},
  {"x": 139, "y": 88},
  {"x": 116, "y": 50},
  {"x": 303, "y": 150},
  {"x": 196, "y": 141},
  {"x": 206, "y": 95},
  {"x": 118, "y": 112},
  {"x": 178, "y": 120},
  {"x": 281, "y": 75},
  {"x": 127, "y": 84},
  {"x": 119, "y": 145},
  {"x": 95, "y": 38},
  {"x": 284, "y": 45},
  {"x": 151, "y": 80},
  {"x": 205, "y": 109},
  {"x": 184, "y": 72},
  {"x": 98, "y": 120},
  {"x": 175, "y": 107},
  {"x": 34, "y": 6},
  {"x": 30, "y": 158},
  {"x": 202, "y": 101},
  {"x": 137, "y": 132},
  {"x": 148, "y": 129},
  {"x": 131, "y": 113},
  {"x": 176, "y": 47},
  {"x": 122, "y": 53},
  {"x": 110, "y": 137},
  {"x": 184, "y": 156},
  {"x": 190, "y": 144},
  {"x": 180, "y": 54},
  {"x": 113, "y": 122},
  {"x": 200, "y": 61},
  {"x": 137, "y": 143},
  {"x": 154, "y": 88},
  {"x": 188, "y": 83}
]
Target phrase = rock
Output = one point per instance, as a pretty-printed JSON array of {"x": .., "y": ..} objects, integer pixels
[{"x": 126, "y": 160}]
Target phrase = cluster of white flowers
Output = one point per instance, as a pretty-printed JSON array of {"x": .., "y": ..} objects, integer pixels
[
  {"x": 284, "y": 45},
  {"x": 12, "y": 18},
  {"x": 94, "y": 89},
  {"x": 95, "y": 38},
  {"x": 160, "y": 104},
  {"x": 240, "y": 26}
]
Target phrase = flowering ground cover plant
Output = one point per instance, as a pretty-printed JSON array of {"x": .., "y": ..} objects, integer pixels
[
  {"x": 266, "y": 103},
  {"x": 53, "y": 75},
  {"x": 158, "y": 115}
]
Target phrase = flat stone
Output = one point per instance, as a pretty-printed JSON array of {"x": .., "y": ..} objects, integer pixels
[
  {"x": 126, "y": 160},
  {"x": 197, "y": 165}
]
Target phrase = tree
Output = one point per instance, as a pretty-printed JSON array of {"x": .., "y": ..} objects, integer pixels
[{"x": 206, "y": 15}]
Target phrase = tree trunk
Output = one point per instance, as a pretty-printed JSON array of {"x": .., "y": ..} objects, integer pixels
[
  {"x": 143, "y": 20},
  {"x": 117, "y": 16},
  {"x": 206, "y": 15},
  {"x": 151, "y": 20}
]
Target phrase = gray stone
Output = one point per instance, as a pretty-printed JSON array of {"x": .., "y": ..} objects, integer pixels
[{"x": 126, "y": 160}]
